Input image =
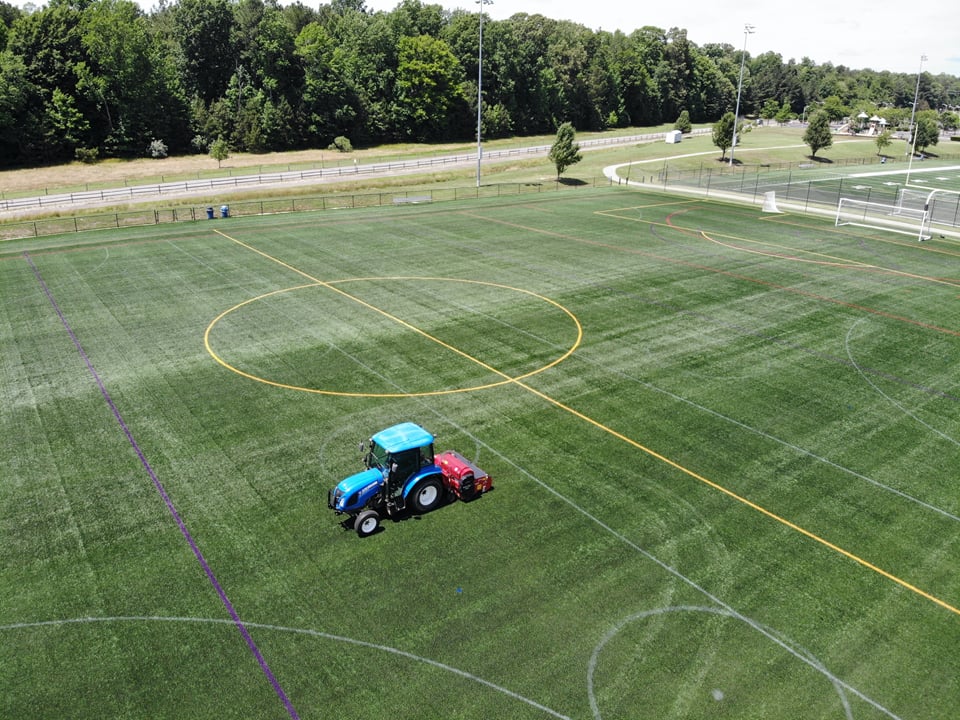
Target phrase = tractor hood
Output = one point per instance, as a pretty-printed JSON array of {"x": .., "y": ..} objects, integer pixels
[{"x": 354, "y": 491}]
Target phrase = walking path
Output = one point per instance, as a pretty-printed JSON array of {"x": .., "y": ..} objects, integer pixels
[{"x": 136, "y": 193}]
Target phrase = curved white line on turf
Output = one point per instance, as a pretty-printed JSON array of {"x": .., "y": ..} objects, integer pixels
[
  {"x": 838, "y": 685},
  {"x": 297, "y": 631},
  {"x": 761, "y": 433},
  {"x": 928, "y": 426},
  {"x": 669, "y": 569}
]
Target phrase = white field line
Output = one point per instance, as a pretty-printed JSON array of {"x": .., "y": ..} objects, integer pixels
[
  {"x": 846, "y": 344},
  {"x": 619, "y": 626},
  {"x": 298, "y": 631}
]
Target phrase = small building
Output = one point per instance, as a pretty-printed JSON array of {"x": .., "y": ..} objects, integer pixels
[{"x": 674, "y": 136}]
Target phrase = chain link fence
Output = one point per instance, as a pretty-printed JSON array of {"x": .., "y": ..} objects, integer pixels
[
  {"x": 810, "y": 185},
  {"x": 42, "y": 227}
]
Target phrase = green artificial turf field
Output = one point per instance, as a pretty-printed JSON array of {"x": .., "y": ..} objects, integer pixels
[{"x": 725, "y": 448}]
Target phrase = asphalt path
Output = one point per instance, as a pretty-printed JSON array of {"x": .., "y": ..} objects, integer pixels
[{"x": 13, "y": 207}]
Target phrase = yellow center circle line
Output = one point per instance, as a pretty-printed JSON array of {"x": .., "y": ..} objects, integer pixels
[{"x": 507, "y": 379}]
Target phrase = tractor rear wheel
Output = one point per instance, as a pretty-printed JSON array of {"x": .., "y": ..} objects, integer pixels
[
  {"x": 367, "y": 523},
  {"x": 427, "y": 495}
]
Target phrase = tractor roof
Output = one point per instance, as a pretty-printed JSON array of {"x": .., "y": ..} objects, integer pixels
[{"x": 404, "y": 436}]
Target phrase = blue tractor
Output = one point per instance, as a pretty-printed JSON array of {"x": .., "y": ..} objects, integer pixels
[{"x": 403, "y": 476}]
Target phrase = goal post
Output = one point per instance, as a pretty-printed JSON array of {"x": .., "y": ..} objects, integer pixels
[
  {"x": 942, "y": 205},
  {"x": 899, "y": 218}
]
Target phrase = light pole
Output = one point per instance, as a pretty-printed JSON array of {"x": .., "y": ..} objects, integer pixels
[
  {"x": 481, "y": 3},
  {"x": 747, "y": 30},
  {"x": 913, "y": 113}
]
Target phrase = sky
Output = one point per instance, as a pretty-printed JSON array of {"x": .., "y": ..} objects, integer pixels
[{"x": 880, "y": 34}]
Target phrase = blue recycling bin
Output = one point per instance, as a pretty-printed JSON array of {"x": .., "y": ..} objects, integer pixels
[
  {"x": 224, "y": 211},
  {"x": 209, "y": 213}
]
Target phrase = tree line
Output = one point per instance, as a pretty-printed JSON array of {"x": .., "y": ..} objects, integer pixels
[{"x": 87, "y": 79}]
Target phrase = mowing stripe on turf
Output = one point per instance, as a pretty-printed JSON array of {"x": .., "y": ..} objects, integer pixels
[
  {"x": 736, "y": 276},
  {"x": 616, "y": 434},
  {"x": 261, "y": 660}
]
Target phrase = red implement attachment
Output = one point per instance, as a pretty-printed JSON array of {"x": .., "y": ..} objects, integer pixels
[{"x": 462, "y": 477}]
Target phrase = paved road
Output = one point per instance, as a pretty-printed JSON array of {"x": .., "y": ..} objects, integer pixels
[{"x": 138, "y": 193}]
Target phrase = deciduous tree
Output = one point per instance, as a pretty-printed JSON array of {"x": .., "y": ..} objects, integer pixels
[
  {"x": 565, "y": 151},
  {"x": 219, "y": 150},
  {"x": 428, "y": 89},
  {"x": 723, "y": 133},
  {"x": 926, "y": 131},
  {"x": 883, "y": 141},
  {"x": 818, "y": 135}
]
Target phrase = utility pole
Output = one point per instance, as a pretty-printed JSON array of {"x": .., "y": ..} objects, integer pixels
[
  {"x": 747, "y": 30},
  {"x": 481, "y": 3}
]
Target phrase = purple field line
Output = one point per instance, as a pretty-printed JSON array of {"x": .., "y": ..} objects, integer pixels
[{"x": 166, "y": 498}]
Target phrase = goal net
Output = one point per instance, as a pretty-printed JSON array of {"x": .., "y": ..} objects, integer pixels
[
  {"x": 901, "y": 218},
  {"x": 942, "y": 205}
]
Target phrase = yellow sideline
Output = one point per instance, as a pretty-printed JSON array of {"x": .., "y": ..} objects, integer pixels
[{"x": 620, "y": 436}]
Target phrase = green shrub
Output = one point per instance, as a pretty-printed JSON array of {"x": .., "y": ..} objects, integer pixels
[
  {"x": 87, "y": 155},
  {"x": 341, "y": 144}
]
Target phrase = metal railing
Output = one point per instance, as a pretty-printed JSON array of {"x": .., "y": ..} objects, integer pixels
[{"x": 129, "y": 193}]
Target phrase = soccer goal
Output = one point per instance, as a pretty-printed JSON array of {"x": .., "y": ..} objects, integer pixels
[
  {"x": 942, "y": 205},
  {"x": 898, "y": 218}
]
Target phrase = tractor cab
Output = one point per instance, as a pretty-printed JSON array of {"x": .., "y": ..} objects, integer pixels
[{"x": 399, "y": 453}]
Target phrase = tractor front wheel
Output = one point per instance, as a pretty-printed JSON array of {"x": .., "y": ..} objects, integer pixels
[
  {"x": 427, "y": 495},
  {"x": 367, "y": 523}
]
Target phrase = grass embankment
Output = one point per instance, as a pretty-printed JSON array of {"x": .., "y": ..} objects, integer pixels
[{"x": 766, "y": 145}]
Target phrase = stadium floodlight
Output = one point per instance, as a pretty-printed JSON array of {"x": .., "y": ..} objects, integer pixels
[
  {"x": 748, "y": 29},
  {"x": 913, "y": 114},
  {"x": 481, "y": 3}
]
